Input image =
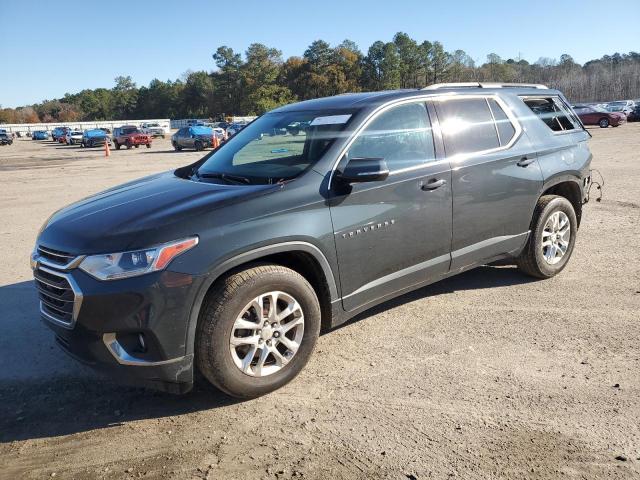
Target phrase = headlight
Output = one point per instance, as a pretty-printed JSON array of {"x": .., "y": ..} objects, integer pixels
[{"x": 113, "y": 266}]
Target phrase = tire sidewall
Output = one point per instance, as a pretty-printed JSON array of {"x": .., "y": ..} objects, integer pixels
[
  {"x": 223, "y": 372},
  {"x": 557, "y": 204}
]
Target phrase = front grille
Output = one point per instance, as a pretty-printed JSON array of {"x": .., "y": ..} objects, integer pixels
[
  {"x": 57, "y": 297},
  {"x": 55, "y": 256}
]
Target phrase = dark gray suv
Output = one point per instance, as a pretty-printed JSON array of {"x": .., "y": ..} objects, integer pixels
[{"x": 232, "y": 265}]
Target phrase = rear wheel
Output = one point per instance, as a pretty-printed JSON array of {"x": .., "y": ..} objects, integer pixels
[
  {"x": 552, "y": 238},
  {"x": 604, "y": 122},
  {"x": 257, "y": 330}
]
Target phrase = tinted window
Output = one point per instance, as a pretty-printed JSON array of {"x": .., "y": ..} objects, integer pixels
[
  {"x": 467, "y": 125},
  {"x": 506, "y": 130},
  {"x": 401, "y": 135},
  {"x": 553, "y": 113}
]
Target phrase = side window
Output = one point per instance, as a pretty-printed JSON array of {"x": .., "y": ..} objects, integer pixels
[
  {"x": 506, "y": 130},
  {"x": 401, "y": 135},
  {"x": 467, "y": 125},
  {"x": 552, "y": 111}
]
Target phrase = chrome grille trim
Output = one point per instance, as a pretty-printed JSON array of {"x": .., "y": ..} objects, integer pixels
[
  {"x": 48, "y": 307},
  {"x": 57, "y": 259}
]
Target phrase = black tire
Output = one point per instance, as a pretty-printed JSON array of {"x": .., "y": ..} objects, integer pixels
[
  {"x": 116, "y": 144},
  {"x": 531, "y": 261},
  {"x": 128, "y": 144},
  {"x": 198, "y": 146},
  {"x": 603, "y": 122},
  {"x": 215, "y": 326},
  {"x": 148, "y": 145},
  {"x": 176, "y": 147}
]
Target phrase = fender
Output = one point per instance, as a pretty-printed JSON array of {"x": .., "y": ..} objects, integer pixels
[
  {"x": 563, "y": 177},
  {"x": 248, "y": 256}
]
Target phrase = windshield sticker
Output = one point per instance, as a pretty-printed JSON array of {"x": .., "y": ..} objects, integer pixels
[{"x": 331, "y": 120}]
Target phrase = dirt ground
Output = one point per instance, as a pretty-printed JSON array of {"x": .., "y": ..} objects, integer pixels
[{"x": 486, "y": 375}]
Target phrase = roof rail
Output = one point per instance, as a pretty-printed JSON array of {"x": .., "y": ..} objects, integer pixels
[{"x": 436, "y": 86}]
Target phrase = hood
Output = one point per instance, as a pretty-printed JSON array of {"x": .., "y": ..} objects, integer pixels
[{"x": 146, "y": 212}]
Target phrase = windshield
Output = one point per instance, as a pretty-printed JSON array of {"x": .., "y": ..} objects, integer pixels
[
  {"x": 127, "y": 131},
  {"x": 277, "y": 146}
]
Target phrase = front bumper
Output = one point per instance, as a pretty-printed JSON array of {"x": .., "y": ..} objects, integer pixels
[{"x": 134, "y": 329}]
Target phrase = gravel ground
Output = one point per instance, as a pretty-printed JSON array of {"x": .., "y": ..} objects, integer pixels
[{"x": 485, "y": 375}]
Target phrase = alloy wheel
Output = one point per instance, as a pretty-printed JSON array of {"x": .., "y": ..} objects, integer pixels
[
  {"x": 556, "y": 236},
  {"x": 267, "y": 334}
]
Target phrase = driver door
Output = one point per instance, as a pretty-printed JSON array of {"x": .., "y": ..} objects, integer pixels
[{"x": 395, "y": 234}]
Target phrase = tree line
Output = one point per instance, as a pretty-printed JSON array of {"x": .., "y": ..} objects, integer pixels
[{"x": 261, "y": 80}]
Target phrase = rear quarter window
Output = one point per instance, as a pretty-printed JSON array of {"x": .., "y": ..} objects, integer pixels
[{"x": 553, "y": 112}]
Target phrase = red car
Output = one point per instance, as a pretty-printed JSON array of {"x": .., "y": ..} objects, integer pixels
[
  {"x": 591, "y": 115},
  {"x": 130, "y": 136}
]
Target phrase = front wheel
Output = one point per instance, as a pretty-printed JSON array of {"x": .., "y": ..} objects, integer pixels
[
  {"x": 552, "y": 238},
  {"x": 148, "y": 145},
  {"x": 116, "y": 144},
  {"x": 128, "y": 144},
  {"x": 257, "y": 330}
]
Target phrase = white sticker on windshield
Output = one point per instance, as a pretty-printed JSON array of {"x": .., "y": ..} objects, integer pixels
[{"x": 331, "y": 120}]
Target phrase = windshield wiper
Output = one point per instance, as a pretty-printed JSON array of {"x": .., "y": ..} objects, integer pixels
[{"x": 225, "y": 177}]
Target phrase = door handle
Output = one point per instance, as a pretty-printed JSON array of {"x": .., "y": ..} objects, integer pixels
[
  {"x": 433, "y": 184},
  {"x": 526, "y": 160}
]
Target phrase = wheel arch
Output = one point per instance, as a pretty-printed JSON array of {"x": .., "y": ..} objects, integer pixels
[
  {"x": 302, "y": 257},
  {"x": 569, "y": 188}
]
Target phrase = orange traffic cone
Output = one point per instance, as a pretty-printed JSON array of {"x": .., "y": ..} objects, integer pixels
[
  {"x": 107, "y": 152},
  {"x": 215, "y": 143}
]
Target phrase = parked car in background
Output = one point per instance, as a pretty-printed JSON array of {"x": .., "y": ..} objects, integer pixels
[
  {"x": 5, "y": 138},
  {"x": 234, "y": 128},
  {"x": 600, "y": 116},
  {"x": 634, "y": 116},
  {"x": 153, "y": 129},
  {"x": 73, "y": 137},
  {"x": 40, "y": 135},
  {"x": 94, "y": 138},
  {"x": 130, "y": 136},
  {"x": 622, "y": 106},
  {"x": 58, "y": 132},
  {"x": 196, "y": 137}
]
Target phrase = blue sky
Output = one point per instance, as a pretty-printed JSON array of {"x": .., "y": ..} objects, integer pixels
[{"x": 51, "y": 48}]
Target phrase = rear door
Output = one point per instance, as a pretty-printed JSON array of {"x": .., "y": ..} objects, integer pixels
[
  {"x": 394, "y": 234},
  {"x": 496, "y": 179}
]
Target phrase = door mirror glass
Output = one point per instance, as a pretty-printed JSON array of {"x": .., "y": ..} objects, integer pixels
[{"x": 363, "y": 170}]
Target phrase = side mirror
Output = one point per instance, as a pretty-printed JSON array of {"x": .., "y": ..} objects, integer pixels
[{"x": 364, "y": 170}]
